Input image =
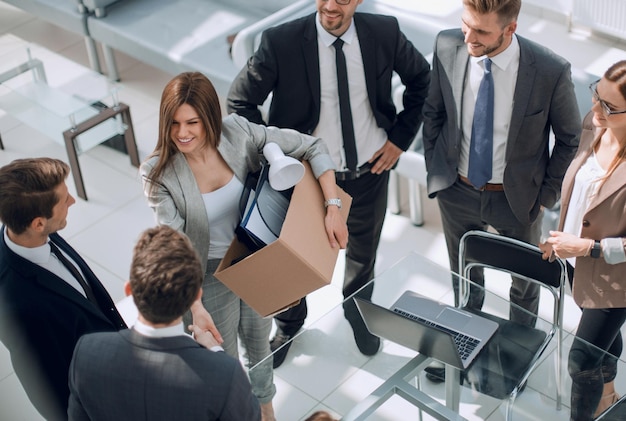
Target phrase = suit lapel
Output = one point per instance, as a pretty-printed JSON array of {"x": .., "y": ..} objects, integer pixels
[
  {"x": 368, "y": 47},
  {"x": 614, "y": 183},
  {"x": 459, "y": 69},
  {"x": 568, "y": 180},
  {"x": 523, "y": 88},
  {"x": 311, "y": 59}
]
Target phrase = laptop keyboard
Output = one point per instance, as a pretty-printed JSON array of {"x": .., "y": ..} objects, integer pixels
[{"x": 465, "y": 344}]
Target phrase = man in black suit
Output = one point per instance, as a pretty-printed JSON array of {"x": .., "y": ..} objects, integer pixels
[
  {"x": 49, "y": 297},
  {"x": 155, "y": 370},
  {"x": 43, "y": 308},
  {"x": 296, "y": 62}
]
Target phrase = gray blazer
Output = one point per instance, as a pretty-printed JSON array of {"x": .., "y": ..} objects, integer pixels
[
  {"x": 544, "y": 99},
  {"x": 127, "y": 376},
  {"x": 177, "y": 202}
]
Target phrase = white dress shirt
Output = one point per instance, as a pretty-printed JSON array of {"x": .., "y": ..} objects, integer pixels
[
  {"x": 165, "y": 332},
  {"x": 43, "y": 257},
  {"x": 368, "y": 136},
  {"x": 504, "y": 69}
]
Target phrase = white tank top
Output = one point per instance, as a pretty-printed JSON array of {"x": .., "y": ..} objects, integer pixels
[{"x": 222, "y": 208}]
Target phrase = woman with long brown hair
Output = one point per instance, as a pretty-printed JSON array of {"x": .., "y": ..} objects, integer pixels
[
  {"x": 592, "y": 237},
  {"x": 194, "y": 180}
]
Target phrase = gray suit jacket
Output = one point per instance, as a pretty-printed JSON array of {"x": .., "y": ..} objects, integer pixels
[
  {"x": 177, "y": 202},
  {"x": 544, "y": 99},
  {"x": 127, "y": 376}
]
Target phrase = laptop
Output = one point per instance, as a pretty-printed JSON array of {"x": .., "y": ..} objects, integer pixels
[{"x": 445, "y": 333}]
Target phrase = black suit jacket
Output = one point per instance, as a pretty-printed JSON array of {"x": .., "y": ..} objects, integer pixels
[
  {"x": 41, "y": 319},
  {"x": 127, "y": 376},
  {"x": 287, "y": 64}
]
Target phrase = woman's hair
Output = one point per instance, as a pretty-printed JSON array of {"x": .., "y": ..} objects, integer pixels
[
  {"x": 28, "y": 190},
  {"x": 196, "y": 90},
  {"x": 616, "y": 74}
]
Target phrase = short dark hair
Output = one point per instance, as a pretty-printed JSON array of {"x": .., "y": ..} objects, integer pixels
[
  {"x": 507, "y": 10},
  {"x": 28, "y": 190},
  {"x": 165, "y": 274}
]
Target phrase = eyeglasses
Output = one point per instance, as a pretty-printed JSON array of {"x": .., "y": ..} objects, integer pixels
[{"x": 605, "y": 107}]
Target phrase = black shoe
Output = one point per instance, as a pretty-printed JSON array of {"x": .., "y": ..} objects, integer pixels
[
  {"x": 367, "y": 343},
  {"x": 278, "y": 341},
  {"x": 438, "y": 374},
  {"x": 435, "y": 374}
]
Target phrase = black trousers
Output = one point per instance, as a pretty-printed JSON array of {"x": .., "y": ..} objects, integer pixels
[
  {"x": 464, "y": 208},
  {"x": 365, "y": 223},
  {"x": 591, "y": 367}
]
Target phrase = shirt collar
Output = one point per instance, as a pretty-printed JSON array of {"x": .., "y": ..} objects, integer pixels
[
  {"x": 38, "y": 255},
  {"x": 328, "y": 38},
  {"x": 160, "y": 332},
  {"x": 505, "y": 58}
]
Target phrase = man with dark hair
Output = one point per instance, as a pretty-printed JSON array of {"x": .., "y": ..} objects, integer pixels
[
  {"x": 49, "y": 297},
  {"x": 330, "y": 74},
  {"x": 155, "y": 370}
]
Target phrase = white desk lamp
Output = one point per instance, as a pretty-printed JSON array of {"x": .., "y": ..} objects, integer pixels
[{"x": 285, "y": 171}]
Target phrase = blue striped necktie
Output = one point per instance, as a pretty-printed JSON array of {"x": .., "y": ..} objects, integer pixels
[{"x": 481, "y": 145}]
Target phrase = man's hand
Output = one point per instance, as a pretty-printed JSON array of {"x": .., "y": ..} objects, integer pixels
[
  {"x": 203, "y": 337},
  {"x": 203, "y": 320},
  {"x": 386, "y": 157}
]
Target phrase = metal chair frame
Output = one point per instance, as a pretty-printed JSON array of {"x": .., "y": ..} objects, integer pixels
[{"x": 523, "y": 261}]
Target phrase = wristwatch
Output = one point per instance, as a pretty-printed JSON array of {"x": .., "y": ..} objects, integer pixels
[
  {"x": 596, "y": 250},
  {"x": 333, "y": 202}
]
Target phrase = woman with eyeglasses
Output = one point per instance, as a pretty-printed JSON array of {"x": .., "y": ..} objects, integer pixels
[{"x": 592, "y": 237}]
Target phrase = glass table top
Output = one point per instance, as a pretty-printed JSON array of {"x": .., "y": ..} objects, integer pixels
[
  {"x": 325, "y": 365},
  {"x": 51, "y": 93}
]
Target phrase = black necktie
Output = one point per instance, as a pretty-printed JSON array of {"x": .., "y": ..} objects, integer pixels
[
  {"x": 69, "y": 266},
  {"x": 347, "y": 127},
  {"x": 481, "y": 144}
]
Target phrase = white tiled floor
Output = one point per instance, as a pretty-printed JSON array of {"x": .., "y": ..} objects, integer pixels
[{"x": 105, "y": 228}]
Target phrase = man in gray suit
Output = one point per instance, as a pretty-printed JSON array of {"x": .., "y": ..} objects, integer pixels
[
  {"x": 154, "y": 370},
  {"x": 532, "y": 94}
]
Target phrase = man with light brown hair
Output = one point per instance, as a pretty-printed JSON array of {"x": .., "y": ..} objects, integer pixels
[
  {"x": 494, "y": 98},
  {"x": 155, "y": 370}
]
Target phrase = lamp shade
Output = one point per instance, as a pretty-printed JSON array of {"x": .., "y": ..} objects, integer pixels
[{"x": 285, "y": 171}]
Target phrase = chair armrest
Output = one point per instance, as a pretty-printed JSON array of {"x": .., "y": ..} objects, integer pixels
[
  {"x": 244, "y": 43},
  {"x": 98, "y": 7}
]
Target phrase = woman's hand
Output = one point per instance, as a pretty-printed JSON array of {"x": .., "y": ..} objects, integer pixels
[
  {"x": 336, "y": 228},
  {"x": 203, "y": 321},
  {"x": 203, "y": 337},
  {"x": 546, "y": 250},
  {"x": 566, "y": 245}
]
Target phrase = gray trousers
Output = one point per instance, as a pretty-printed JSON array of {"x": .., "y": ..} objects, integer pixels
[
  {"x": 235, "y": 318},
  {"x": 464, "y": 208}
]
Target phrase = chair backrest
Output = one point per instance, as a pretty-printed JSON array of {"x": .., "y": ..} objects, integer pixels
[{"x": 480, "y": 248}]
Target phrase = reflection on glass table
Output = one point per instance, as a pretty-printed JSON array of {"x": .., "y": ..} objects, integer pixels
[
  {"x": 332, "y": 375},
  {"x": 71, "y": 104}
]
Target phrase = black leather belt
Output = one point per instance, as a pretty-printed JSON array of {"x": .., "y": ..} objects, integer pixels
[
  {"x": 486, "y": 187},
  {"x": 353, "y": 175}
]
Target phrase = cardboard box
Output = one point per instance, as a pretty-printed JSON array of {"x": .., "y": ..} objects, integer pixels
[{"x": 299, "y": 262}]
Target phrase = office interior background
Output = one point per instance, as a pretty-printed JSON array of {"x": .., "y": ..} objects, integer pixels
[{"x": 104, "y": 227}]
